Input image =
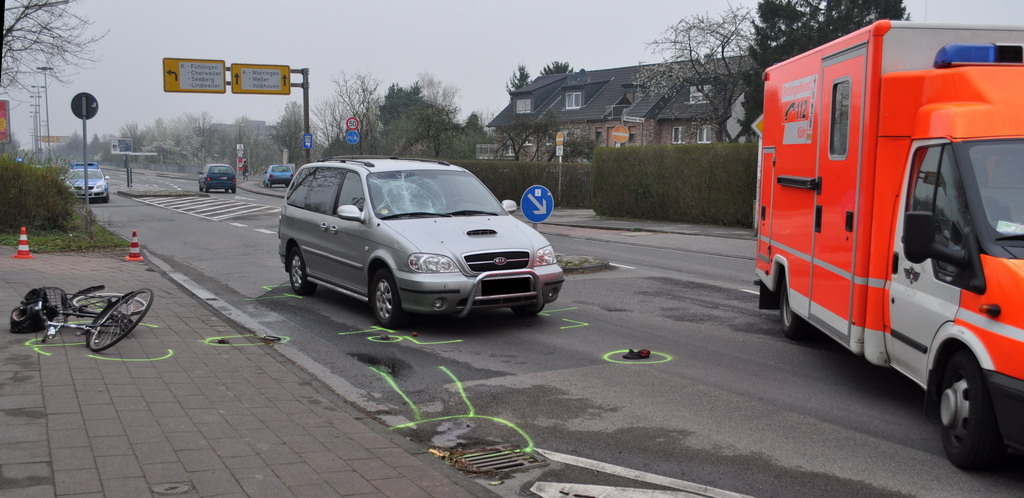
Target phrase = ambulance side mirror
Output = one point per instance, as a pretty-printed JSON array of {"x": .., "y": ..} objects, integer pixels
[{"x": 919, "y": 240}]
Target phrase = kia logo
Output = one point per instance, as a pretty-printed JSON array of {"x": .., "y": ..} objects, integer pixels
[{"x": 500, "y": 261}]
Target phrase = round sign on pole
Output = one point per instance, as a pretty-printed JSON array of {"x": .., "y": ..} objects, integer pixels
[
  {"x": 91, "y": 106},
  {"x": 537, "y": 203},
  {"x": 620, "y": 134},
  {"x": 352, "y": 123},
  {"x": 559, "y": 138},
  {"x": 352, "y": 137}
]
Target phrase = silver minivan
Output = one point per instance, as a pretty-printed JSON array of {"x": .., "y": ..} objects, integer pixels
[{"x": 412, "y": 236}]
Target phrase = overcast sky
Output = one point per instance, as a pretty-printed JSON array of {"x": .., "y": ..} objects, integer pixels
[{"x": 474, "y": 45}]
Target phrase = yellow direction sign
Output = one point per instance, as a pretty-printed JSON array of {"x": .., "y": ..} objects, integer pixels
[
  {"x": 261, "y": 78},
  {"x": 194, "y": 75}
]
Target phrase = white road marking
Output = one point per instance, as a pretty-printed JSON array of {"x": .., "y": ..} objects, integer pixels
[
  {"x": 564, "y": 489},
  {"x": 238, "y": 225},
  {"x": 264, "y": 230},
  {"x": 748, "y": 291},
  {"x": 622, "y": 266},
  {"x": 637, "y": 475},
  {"x": 244, "y": 198}
]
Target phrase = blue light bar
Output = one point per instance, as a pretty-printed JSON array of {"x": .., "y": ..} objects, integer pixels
[{"x": 977, "y": 53}]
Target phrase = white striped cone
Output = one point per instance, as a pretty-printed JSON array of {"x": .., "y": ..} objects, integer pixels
[
  {"x": 133, "y": 252},
  {"x": 23, "y": 252}
]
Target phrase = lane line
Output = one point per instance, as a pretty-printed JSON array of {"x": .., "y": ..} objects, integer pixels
[
  {"x": 264, "y": 230},
  {"x": 621, "y": 266},
  {"x": 748, "y": 291},
  {"x": 638, "y": 475},
  {"x": 238, "y": 225}
]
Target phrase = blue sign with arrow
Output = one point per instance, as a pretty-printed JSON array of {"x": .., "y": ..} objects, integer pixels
[
  {"x": 352, "y": 137},
  {"x": 537, "y": 203},
  {"x": 307, "y": 140}
]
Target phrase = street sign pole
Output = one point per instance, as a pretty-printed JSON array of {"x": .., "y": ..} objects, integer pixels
[{"x": 85, "y": 154}]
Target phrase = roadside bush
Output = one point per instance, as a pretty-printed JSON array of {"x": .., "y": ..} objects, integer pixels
[
  {"x": 34, "y": 195},
  {"x": 510, "y": 179},
  {"x": 705, "y": 184}
]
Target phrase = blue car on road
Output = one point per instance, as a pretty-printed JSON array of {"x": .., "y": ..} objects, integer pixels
[
  {"x": 219, "y": 176},
  {"x": 278, "y": 174}
]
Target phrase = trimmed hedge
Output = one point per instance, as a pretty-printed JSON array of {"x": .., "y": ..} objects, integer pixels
[
  {"x": 711, "y": 184},
  {"x": 34, "y": 195},
  {"x": 510, "y": 179}
]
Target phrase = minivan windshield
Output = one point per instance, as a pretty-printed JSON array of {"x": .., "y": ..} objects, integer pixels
[
  {"x": 426, "y": 193},
  {"x": 997, "y": 167}
]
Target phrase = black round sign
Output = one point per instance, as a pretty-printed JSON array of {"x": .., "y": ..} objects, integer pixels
[{"x": 90, "y": 107}]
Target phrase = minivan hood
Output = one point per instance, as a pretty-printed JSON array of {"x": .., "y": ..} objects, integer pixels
[{"x": 466, "y": 234}]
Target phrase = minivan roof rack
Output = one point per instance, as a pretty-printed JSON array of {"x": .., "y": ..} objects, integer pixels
[
  {"x": 422, "y": 160},
  {"x": 354, "y": 159}
]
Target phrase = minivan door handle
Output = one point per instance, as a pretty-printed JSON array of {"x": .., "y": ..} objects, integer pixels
[
  {"x": 334, "y": 229},
  {"x": 323, "y": 227}
]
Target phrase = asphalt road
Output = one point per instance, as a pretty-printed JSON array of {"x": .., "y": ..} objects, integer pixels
[{"x": 724, "y": 402}]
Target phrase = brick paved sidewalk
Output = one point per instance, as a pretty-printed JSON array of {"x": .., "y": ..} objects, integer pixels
[{"x": 165, "y": 408}]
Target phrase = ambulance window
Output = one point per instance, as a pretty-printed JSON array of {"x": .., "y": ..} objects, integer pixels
[
  {"x": 839, "y": 139},
  {"x": 936, "y": 187}
]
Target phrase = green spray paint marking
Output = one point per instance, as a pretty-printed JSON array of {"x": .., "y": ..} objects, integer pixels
[
  {"x": 31, "y": 343},
  {"x": 375, "y": 329},
  {"x": 394, "y": 385},
  {"x": 170, "y": 353},
  {"x": 664, "y": 358},
  {"x": 578, "y": 324},
  {"x": 210, "y": 341},
  {"x": 549, "y": 312},
  {"x": 465, "y": 398}
]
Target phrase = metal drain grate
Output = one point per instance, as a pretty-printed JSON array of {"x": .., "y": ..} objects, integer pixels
[{"x": 494, "y": 459}]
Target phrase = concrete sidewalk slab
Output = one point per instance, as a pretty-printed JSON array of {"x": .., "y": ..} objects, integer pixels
[{"x": 169, "y": 407}]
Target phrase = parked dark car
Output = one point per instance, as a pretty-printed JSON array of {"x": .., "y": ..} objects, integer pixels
[
  {"x": 278, "y": 174},
  {"x": 217, "y": 176}
]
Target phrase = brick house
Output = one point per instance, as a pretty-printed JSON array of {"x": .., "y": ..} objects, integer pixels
[{"x": 595, "y": 102}]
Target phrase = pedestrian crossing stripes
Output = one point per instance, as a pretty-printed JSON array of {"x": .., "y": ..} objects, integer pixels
[{"x": 209, "y": 208}]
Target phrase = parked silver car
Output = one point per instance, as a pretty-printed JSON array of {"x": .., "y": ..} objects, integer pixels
[{"x": 412, "y": 236}]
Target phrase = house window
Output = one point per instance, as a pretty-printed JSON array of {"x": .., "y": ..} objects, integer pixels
[
  {"x": 599, "y": 137},
  {"x": 632, "y": 135},
  {"x": 573, "y": 100},
  {"x": 677, "y": 134},
  {"x": 704, "y": 134},
  {"x": 522, "y": 105},
  {"x": 697, "y": 95}
]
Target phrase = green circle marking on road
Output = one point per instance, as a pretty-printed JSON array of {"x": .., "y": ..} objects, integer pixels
[
  {"x": 211, "y": 341},
  {"x": 664, "y": 358}
]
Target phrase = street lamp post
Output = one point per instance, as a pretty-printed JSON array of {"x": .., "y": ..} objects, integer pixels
[{"x": 46, "y": 91}]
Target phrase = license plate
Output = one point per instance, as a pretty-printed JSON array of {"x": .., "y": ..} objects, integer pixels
[{"x": 504, "y": 286}]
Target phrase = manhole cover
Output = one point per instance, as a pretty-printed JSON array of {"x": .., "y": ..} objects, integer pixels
[
  {"x": 171, "y": 489},
  {"x": 492, "y": 459}
]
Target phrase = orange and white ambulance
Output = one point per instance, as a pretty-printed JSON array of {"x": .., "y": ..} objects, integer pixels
[{"x": 891, "y": 215}]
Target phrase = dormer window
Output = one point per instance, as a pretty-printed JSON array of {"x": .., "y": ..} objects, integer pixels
[
  {"x": 697, "y": 95},
  {"x": 573, "y": 100},
  {"x": 523, "y": 106}
]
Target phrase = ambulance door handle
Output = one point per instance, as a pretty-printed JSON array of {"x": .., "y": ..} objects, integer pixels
[
  {"x": 817, "y": 219},
  {"x": 849, "y": 221},
  {"x": 895, "y": 262},
  {"x": 763, "y": 212}
]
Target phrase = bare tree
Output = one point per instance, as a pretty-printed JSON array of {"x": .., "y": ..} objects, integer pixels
[
  {"x": 44, "y": 33},
  {"x": 357, "y": 95},
  {"x": 706, "y": 54},
  {"x": 287, "y": 133}
]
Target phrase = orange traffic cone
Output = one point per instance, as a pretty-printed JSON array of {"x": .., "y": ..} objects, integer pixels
[
  {"x": 23, "y": 252},
  {"x": 133, "y": 252}
]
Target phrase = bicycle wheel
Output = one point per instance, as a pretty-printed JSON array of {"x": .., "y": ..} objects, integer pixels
[
  {"x": 94, "y": 303},
  {"x": 118, "y": 319}
]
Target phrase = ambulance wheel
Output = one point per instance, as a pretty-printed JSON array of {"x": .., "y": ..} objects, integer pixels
[
  {"x": 970, "y": 433},
  {"x": 794, "y": 327}
]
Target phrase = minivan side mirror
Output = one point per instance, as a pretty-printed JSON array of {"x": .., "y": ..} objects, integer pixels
[
  {"x": 350, "y": 213},
  {"x": 509, "y": 206},
  {"x": 919, "y": 240}
]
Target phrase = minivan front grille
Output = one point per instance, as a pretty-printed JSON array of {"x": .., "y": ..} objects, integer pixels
[{"x": 492, "y": 261}]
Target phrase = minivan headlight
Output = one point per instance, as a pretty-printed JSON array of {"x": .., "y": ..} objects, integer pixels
[
  {"x": 432, "y": 263},
  {"x": 544, "y": 256}
]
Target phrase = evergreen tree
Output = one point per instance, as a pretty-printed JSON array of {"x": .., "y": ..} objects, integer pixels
[
  {"x": 519, "y": 79},
  {"x": 556, "y": 67}
]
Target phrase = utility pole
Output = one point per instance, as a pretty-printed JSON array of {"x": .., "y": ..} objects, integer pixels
[{"x": 46, "y": 92}]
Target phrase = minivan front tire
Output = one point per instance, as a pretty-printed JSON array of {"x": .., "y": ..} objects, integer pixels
[
  {"x": 385, "y": 301},
  {"x": 297, "y": 273}
]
